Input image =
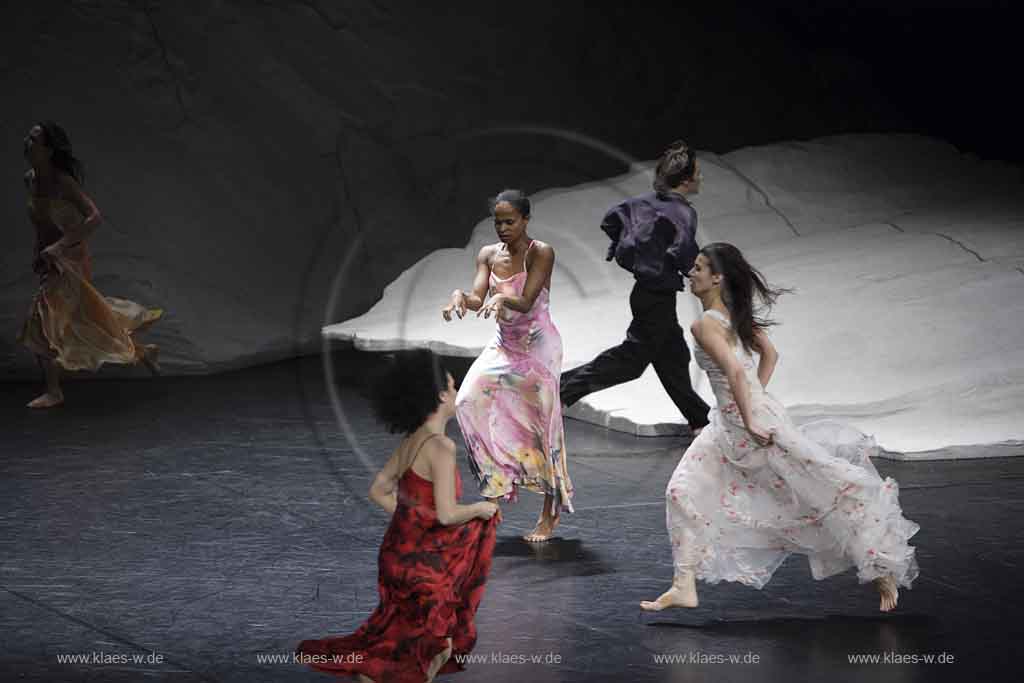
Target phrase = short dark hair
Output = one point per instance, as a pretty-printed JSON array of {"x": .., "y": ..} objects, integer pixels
[
  {"x": 517, "y": 198},
  {"x": 405, "y": 390},
  {"x": 675, "y": 166}
]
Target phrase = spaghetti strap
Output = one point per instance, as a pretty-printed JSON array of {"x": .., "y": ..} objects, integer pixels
[
  {"x": 416, "y": 454},
  {"x": 525, "y": 252}
]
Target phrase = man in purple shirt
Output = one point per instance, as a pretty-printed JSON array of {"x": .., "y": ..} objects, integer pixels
[{"x": 654, "y": 237}]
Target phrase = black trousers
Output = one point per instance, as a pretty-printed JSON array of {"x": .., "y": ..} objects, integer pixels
[{"x": 655, "y": 337}]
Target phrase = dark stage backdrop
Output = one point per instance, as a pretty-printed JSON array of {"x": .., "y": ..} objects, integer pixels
[{"x": 242, "y": 151}]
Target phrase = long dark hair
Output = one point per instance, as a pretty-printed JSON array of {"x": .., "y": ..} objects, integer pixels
[
  {"x": 56, "y": 138},
  {"x": 741, "y": 283},
  {"x": 677, "y": 164}
]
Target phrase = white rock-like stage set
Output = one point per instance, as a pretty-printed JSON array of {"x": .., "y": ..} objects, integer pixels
[{"x": 908, "y": 262}]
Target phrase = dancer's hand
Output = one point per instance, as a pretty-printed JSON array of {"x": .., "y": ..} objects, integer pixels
[
  {"x": 487, "y": 510},
  {"x": 456, "y": 305},
  {"x": 762, "y": 436},
  {"x": 496, "y": 305},
  {"x": 52, "y": 252}
]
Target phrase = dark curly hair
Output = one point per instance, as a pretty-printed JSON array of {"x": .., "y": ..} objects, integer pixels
[
  {"x": 676, "y": 165},
  {"x": 405, "y": 390},
  {"x": 741, "y": 283}
]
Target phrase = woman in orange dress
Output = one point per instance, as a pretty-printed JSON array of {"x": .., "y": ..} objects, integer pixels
[{"x": 70, "y": 325}]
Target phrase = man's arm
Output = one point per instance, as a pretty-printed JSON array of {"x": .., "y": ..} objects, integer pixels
[
  {"x": 684, "y": 249},
  {"x": 612, "y": 225}
]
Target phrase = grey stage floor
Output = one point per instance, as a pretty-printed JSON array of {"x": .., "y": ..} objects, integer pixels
[{"x": 208, "y": 524}]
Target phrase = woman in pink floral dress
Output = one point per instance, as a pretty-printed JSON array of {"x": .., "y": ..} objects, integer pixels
[
  {"x": 754, "y": 488},
  {"x": 508, "y": 406}
]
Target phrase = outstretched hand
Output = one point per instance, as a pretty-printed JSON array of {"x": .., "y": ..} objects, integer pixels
[
  {"x": 457, "y": 305},
  {"x": 496, "y": 305}
]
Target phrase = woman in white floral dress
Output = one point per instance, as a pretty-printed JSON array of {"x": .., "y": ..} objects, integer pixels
[{"x": 752, "y": 487}]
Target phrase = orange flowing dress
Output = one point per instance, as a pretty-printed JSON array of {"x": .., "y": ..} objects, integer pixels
[{"x": 69, "y": 321}]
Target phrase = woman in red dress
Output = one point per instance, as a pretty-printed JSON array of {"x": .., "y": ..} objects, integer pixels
[{"x": 436, "y": 554}]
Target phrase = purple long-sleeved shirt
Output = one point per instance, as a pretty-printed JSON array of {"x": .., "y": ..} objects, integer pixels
[{"x": 654, "y": 236}]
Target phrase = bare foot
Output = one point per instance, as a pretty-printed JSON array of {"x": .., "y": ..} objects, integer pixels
[
  {"x": 890, "y": 593},
  {"x": 151, "y": 358},
  {"x": 439, "y": 661},
  {"x": 683, "y": 593},
  {"x": 542, "y": 532},
  {"x": 47, "y": 400}
]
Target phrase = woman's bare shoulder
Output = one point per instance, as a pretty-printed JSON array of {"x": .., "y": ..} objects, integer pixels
[
  {"x": 438, "y": 448},
  {"x": 543, "y": 247},
  {"x": 486, "y": 253}
]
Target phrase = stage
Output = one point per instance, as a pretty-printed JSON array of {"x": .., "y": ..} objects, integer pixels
[{"x": 206, "y": 525}]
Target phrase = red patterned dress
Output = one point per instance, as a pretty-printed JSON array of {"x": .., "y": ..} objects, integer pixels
[{"x": 431, "y": 579}]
